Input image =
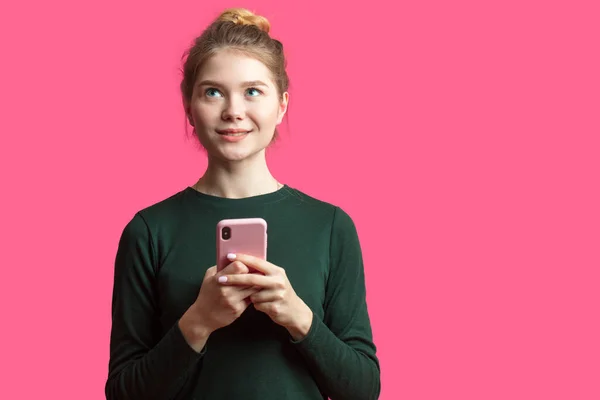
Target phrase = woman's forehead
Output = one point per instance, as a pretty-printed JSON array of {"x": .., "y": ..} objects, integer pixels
[{"x": 234, "y": 69}]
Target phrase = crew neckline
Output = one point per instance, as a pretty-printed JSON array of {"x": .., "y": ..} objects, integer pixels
[{"x": 260, "y": 199}]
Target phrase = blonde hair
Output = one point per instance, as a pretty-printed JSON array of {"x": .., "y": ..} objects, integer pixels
[
  {"x": 241, "y": 30},
  {"x": 242, "y": 16}
]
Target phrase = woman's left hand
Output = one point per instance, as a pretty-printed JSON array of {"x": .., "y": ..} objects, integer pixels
[{"x": 276, "y": 298}]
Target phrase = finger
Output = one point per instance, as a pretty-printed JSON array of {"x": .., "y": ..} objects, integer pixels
[
  {"x": 247, "y": 300},
  {"x": 233, "y": 290},
  {"x": 268, "y": 307},
  {"x": 236, "y": 267},
  {"x": 245, "y": 293},
  {"x": 261, "y": 281},
  {"x": 212, "y": 271},
  {"x": 254, "y": 262},
  {"x": 264, "y": 296}
]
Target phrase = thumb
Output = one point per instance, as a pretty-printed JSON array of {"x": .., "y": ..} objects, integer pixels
[{"x": 212, "y": 271}]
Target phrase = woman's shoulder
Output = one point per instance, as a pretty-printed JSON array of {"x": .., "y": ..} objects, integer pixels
[
  {"x": 162, "y": 210},
  {"x": 336, "y": 211},
  {"x": 309, "y": 201},
  {"x": 166, "y": 203}
]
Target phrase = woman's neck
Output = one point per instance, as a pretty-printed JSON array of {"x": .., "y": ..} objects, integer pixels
[{"x": 236, "y": 180}]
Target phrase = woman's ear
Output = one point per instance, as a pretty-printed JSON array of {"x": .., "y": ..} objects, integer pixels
[
  {"x": 188, "y": 113},
  {"x": 283, "y": 105}
]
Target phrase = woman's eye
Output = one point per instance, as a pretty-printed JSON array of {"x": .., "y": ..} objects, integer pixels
[
  {"x": 253, "y": 92},
  {"x": 212, "y": 93}
]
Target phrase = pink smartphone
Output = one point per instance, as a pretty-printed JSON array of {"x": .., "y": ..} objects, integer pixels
[{"x": 241, "y": 235}]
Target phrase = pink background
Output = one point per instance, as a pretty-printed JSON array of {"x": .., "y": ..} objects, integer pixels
[{"x": 462, "y": 137}]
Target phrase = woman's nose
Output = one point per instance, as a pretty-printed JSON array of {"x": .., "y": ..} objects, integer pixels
[{"x": 235, "y": 109}]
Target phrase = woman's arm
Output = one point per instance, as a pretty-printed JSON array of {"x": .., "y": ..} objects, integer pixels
[
  {"x": 340, "y": 349},
  {"x": 143, "y": 365}
]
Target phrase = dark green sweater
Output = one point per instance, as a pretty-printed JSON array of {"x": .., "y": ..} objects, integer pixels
[{"x": 163, "y": 254}]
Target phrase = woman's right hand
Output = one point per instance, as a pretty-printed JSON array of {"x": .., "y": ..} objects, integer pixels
[{"x": 216, "y": 305}]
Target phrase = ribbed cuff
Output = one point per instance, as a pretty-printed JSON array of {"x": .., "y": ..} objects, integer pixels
[
  {"x": 314, "y": 327},
  {"x": 181, "y": 349}
]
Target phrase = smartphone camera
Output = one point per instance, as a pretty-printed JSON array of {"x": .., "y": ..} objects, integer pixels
[{"x": 226, "y": 233}]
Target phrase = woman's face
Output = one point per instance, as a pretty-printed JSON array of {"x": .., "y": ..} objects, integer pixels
[{"x": 235, "y": 106}]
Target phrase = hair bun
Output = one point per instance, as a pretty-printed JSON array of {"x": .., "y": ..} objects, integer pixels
[{"x": 242, "y": 16}]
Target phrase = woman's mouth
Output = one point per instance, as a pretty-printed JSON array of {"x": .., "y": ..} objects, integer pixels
[
  {"x": 233, "y": 135},
  {"x": 233, "y": 132}
]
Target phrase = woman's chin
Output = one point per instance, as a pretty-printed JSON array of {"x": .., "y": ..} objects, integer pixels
[
  {"x": 235, "y": 152},
  {"x": 236, "y": 155}
]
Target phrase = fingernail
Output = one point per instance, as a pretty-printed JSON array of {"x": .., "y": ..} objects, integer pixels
[
  {"x": 231, "y": 256},
  {"x": 222, "y": 279}
]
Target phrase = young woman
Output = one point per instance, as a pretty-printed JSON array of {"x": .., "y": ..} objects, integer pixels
[{"x": 297, "y": 329}]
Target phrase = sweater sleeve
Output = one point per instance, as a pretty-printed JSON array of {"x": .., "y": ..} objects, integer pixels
[
  {"x": 339, "y": 349},
  {"x": 142, "y": 365}
]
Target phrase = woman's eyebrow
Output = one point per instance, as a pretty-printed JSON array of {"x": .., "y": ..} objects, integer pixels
[{"x": 208, "y": 82}]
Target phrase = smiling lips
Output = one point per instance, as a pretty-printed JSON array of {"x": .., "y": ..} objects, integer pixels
[
  {"x": 233, "y": 135},
  {"x": 233, "y": 132}
]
